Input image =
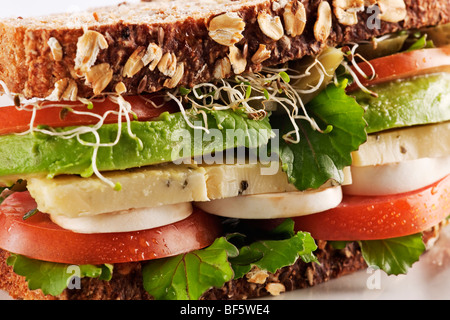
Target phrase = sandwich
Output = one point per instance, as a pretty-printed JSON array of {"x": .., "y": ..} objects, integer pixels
[{"x": 221, "y": 150}]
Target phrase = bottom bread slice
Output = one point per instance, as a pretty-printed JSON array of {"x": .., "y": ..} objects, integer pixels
[{"x": 126, "y": 283}]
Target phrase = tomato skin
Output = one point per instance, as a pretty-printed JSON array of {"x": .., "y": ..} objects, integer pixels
[
  {"x": 403, "y": 65},
  {"x": 13, "y": 120},
  {"x": 374, "y": 218},
  {"x": 39, "y": 238}
]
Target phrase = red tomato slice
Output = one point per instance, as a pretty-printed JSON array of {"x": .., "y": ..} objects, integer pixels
[
  {"x": 375, "y": 218},
  {"x": 403, "y": 65},
  {"x": 16, "y": 121},
  {"x": 39, "y": 238},
  {"x": 371, "y": 218}
]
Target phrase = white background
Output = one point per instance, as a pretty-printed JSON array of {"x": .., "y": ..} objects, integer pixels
[
  {"x": 24, "y": 8},
  {"x": 428, "y": 279}
]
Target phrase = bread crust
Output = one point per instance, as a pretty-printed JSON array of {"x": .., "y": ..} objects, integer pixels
[{"x": 28, "y": 65}]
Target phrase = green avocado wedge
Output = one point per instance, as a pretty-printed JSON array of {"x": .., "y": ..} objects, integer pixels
[
  {"x": 407, "y": 102},
  {"x": 169, "y": 138}
]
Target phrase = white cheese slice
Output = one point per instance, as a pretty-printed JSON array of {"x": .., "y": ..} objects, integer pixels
[
  {"x": 224, "y": 181},
  {"x": 428, "y": 141},
  {"x": 126, "y": 220},
  {"x": 275, "y": 205},
  {"x": 400, "y": 177}
]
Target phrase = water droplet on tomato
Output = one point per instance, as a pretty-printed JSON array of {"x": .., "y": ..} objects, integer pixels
[{"x": 144, "y": 243}]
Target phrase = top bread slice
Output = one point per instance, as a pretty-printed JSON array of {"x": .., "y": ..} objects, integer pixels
[{"x": 148, "y": 46}]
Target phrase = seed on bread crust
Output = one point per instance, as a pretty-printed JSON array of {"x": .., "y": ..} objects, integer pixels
[
  {"x": 152, "y": 56},
  {"x": 71, "y": 92},
  {"x": 120, "y": 88},
  {"x": 222, "y": 68},
  {"x": 173, "y": 82},
  {"x": 322, "y": 27},
  {"x": 226, "y": 29},
  {"x": 369, "y": 3},
  {"x": 261, "y": 55},
  {"x": 65, "y": 89},
  {"x": 55, "y": 48},
  {"x": 392, "y": 10},
  {"x": 237, "y": 60},
  {"x": 256, "y": 275},
  {"x": 168, "y": 64},
  {"x": 99, "y": 77},
  {"x": 346, "y": 11},
  {"x": 88, "y": 48},
  {"x": 280, "y": 4},
  {"x": 270, "y": 26},
  {"x": 275, "y": 288},
  {"x": 294, "y": 22},
  {"x": 134, "y": 63}
]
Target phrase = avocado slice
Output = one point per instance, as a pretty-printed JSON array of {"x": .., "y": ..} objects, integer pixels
[
  {"x": 169, "y": 138},
  {"x": 407, "y": 102}
]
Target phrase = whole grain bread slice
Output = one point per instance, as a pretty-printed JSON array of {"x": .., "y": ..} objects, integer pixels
[{"x": 149, "y": 46}]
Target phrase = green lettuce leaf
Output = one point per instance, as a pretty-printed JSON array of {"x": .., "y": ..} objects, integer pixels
[
  {"x": 53, "y": 278},
  {"x": 271, "y": 255},
  {"x": 319, "y": 157},
  {"x": 188, "y": 276},
  {"x": 5, "y": 192},
  {"x": 396, "y": 255}
]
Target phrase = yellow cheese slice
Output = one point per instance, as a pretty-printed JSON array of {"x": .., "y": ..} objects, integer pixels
[
  {"x": 428, "y": 141},
  {"x": 73, "y": 196},
  {"x": 153, "y": 186}
]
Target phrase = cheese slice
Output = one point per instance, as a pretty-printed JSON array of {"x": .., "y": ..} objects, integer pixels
[
  {"x": 275, "y": 205},
  {"x": 225, "y": 181},
  {"x": 399, "y": 177},
  {"x": 126, "y": 220},
  {"x": 154, "y": 186},
  {"x": 428, "y": 141}
]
